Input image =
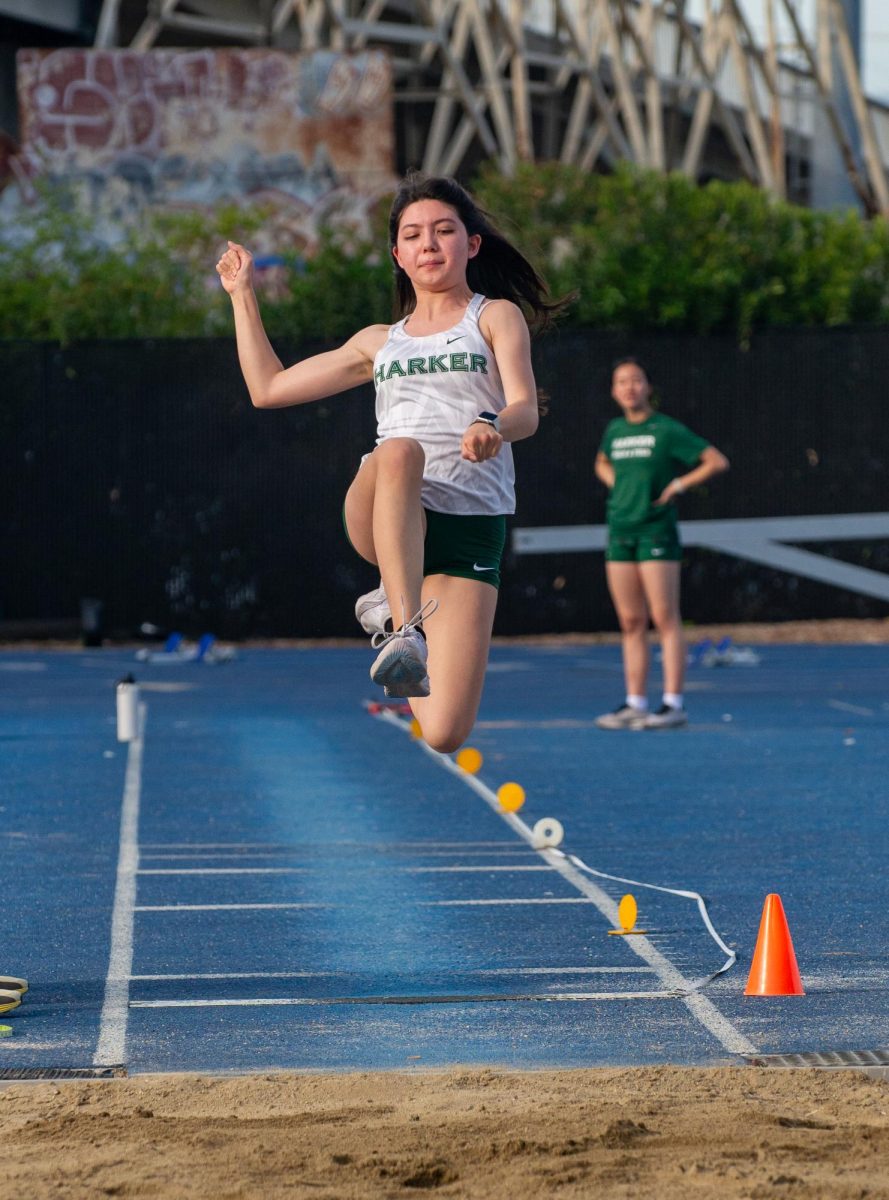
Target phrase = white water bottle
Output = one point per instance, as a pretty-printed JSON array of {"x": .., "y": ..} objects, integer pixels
[{"x": 127, "y": 709}]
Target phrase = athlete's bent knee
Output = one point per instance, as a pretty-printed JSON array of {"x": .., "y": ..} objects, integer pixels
[
  {"x": 445, "y": 745},
  {"x": 443, "y": 736},
  {"x": 401, "y": 455}
]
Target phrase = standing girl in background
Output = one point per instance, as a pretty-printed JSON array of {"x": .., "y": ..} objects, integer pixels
[
  {"x": 454, "y": 388},
  {"x": 646, "y": 460}
]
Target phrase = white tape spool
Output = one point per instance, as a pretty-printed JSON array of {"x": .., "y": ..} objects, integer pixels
[
  {"x": 127, "y": 710},
  {"x": 547, "y": 832}
]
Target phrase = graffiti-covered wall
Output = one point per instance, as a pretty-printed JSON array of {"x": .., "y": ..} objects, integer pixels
[{"x": 304, "y": 135}]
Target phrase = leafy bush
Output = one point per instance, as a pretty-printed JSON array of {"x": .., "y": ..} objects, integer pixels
[
  {"x": 642, "y": 250},
  {"x": 59, "y": 281},
  {"x": 652, "y": 251}
]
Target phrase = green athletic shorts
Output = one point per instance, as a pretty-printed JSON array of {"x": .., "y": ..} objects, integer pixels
[
  {"x": 653, "y": 545},
  {"x": 470, "y": 547}
]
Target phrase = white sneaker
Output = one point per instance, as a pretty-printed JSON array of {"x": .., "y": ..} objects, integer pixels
[
  {"x": 666, "y": 717},
  {"x": 624, "y": 717},
  {"x": 372, "y": 611},
  {"x": 400, "y": 667}
]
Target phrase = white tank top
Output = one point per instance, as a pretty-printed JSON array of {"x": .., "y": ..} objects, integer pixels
[{"x": 432, "y": 388}]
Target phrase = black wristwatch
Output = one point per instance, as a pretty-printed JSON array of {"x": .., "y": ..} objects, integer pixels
[{"x": 488, "y": 418}]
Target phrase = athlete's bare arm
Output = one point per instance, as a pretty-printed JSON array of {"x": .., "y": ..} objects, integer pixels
[
  {"x": 712, "y": 462},
  {"x": 604, "y": 469},
  {"x": 506, "y": 332},
  {"x": 271, "y": 385}
]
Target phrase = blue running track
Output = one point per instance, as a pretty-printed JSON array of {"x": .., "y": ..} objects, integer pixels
[{"x": 273, "y": 878}]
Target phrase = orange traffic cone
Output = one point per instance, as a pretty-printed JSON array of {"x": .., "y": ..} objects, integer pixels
[{"x": 773, "y": 971}]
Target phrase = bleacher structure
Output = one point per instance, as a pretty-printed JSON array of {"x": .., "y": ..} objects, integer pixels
[{"x": 587, "y": 82}]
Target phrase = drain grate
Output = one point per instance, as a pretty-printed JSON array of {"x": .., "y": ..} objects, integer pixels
[
  {"x": 10, "y": 1073},
  {"x": 825, "y": 1059}
]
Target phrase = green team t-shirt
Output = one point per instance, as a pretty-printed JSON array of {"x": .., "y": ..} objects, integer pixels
[{"x": 645, "y": 457}]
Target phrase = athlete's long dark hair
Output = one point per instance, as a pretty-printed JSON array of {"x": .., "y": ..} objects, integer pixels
[
  {"x": 630, "y": 360},
  {"x": 498, "y": 271}
]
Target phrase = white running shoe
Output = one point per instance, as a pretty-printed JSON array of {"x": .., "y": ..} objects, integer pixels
[
  {"x": 400, "y": 667},
  {"x": 372, "y": 611},
  {"x": 623, "y": 717},
  {"x": 666, "y": 717}
]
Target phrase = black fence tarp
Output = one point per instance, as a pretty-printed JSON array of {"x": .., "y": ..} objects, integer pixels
[{"x": 136, "y": 472}]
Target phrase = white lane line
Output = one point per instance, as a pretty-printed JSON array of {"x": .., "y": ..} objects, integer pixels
[
  {"x": 243, "y": 975},
  {"x": 561, "y": 971},
  {"x": 313, "y": 847},
  {"x": 498, "y": 901},
  {"x": 238, "y": 854},
  {"x": 111, "y": 1046},
  {"x": 348, "y": 974},
  {"x": 419, "y": 904},
  {"x": 219, "y": 846},
  {"x": 859, "y": 711},
  {"x": 700, "y": 1006},
  {"x": 307, "y": 870},
  {"x": 223, "y": 870},
  {"x": 506, "y": 851},
  {"x": 328, "y": 1001},
  {"x": 464, "y": 870},
  {"x": 219, "y": 907}
]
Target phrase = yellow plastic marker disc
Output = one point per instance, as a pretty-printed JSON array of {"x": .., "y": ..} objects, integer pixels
[
  {"x": 511, "y": 796},
  {"x": 627, "y": 911},
  {"x": 626, "y": 914},
  {"x": 415, "y": 728},
  {"x": 470, "y": 760},
  {"x": 5, "y": 1031}
]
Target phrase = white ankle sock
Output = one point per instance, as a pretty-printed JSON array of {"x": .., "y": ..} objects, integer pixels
[
  {"x": 673, "y": 699},
  {"x": 640, "y": 703}
]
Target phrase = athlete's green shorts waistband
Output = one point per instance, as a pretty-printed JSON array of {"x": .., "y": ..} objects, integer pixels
[
  {"x": 470, "y": 547},
  {"x": 660, "y": 544}
]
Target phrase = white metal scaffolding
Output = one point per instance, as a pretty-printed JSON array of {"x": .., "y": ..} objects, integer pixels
[{"x": 582, "y": 81}]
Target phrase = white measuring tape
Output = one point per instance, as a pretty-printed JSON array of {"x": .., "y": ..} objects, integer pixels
[{"x": 547, "y": 835}]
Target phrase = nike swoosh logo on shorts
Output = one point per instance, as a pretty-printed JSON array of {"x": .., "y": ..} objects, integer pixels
[
  {"x": 476, "y": 567},
  {"x": 456, "y": 339},
  {"x": 656, "y": 550}
]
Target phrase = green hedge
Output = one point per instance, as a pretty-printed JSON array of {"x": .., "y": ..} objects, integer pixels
[
  {"x": 642, "y": 251},
  {"x": 650, "y": 251}
]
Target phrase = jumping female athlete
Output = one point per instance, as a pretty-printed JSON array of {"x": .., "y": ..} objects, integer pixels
[{"x": 454, "y": 389}]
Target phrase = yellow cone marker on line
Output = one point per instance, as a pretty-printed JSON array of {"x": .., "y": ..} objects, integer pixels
[
  {"x": 470, "y": 760},
  {"x": 511, "y": 796},
  {"x": 626, "y": 914},
  {"x": 5, "y": 1031}
]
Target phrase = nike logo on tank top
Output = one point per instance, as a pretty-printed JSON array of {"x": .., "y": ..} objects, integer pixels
[{"x": 431, "y": 388}]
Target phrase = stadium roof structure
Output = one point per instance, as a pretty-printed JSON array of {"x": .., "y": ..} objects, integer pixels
[{"x": 588, "y": 82}]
